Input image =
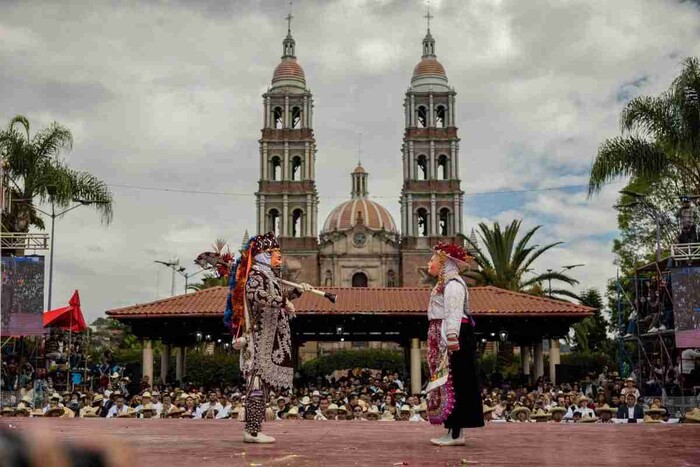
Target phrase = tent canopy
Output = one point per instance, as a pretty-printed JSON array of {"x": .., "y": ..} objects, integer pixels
[{"x": 68, "y": 318}]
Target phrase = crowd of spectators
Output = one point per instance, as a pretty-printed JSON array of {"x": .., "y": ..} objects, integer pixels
[{"x": 361, "y": 395}]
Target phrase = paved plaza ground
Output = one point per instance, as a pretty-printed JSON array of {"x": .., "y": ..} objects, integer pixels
[{"x": 202, "y": 443}]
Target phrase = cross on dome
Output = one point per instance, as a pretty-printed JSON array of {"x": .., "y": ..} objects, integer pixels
[{"x": 428, "y": 16}]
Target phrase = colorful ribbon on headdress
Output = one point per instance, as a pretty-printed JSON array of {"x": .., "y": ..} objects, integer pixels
[{"x": 234, "y": 316}]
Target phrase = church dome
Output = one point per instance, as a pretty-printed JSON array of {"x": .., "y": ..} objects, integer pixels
[
  {"x": 289, "y": 69},
  {"x": 359, "y": 211},
  {"x": 429, "y": 66}
]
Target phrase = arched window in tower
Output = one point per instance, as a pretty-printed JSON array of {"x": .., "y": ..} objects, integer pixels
[
  {"x": 277, "y": 118},
  {"x": 296, "y": 168},
  {"x": 390, "y": 279},
  {"x": 296, "y": 117},
  {"x": 422, "y": 166},
  {"x": 328, "y": 278},
  {"x": 422, "y": 220},
  {"x": 421, "y": 117},
  {"x": 274, "y": 221},
  {"x": 297, "y": 222},
  {"x": 444, "y": 222},
  {"x": 443, "y": 170},
  {"x": 359, "y": 279},
  {"x": 440, "y": 116},
  {"x": 275, "y": 169}
]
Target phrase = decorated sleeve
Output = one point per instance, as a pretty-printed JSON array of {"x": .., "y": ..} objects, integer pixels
[
  {"x": 256, "y": 292},
  {"x": 290, "y": 293},
  {"x": 455, "y": 294}
]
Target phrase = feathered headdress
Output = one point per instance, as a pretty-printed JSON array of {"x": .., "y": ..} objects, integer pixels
[
  {"x": 234, "y": 315},
  {"x": 455, "y": 252}
]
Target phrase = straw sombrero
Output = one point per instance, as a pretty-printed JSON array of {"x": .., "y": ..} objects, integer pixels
[
  {"x": 90, "y": 412},
  {"x": 655, "y": 409},
  {"x": 648, "y": 419},
  {"x": 693, "y": 416},
  {"x": 54, "y": 412},
  {"x": 21, "y": 410},
  {"x": 292, "y": 413},
  {"x": 603, "y": 408},
  {"x": 558, "y": 408},
  {"x": 372, "y": 413},
  {"x": 517, "y": 410},
  {"x": 588, "y": 419},
  {"x": 539, "y": 413},
  {"x": 130, "y": 413}
]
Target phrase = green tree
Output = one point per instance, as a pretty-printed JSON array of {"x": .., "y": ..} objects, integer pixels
[
  {"x": 209, "y": 281},
  {"x": 36, "y": 173},
  {"x": 590, "y": 333},
  {"x": 661, "y": 137},
  {"x": 506, "y": 262},
  {"x": 659, "y": 149}
]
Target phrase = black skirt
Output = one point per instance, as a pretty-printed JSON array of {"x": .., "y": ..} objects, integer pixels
[{"x": 468, "y": 410}]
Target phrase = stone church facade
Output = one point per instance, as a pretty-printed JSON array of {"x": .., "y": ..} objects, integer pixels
[{"x": 360, "y": 244}]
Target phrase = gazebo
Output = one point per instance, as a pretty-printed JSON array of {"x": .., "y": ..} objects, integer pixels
[{"x": 396, "y": 314}]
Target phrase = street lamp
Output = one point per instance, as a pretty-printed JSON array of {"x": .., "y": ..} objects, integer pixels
[
  {"x": 52, "y": 190},
  {"x": 176, "y": 268},
  {"x": 550, "y": 271},
  {"x": 181, "y": 270},
  {"x": 171, "y": 264}
]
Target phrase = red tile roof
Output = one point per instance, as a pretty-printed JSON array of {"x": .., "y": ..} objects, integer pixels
[{"x": 484, "y": 301}]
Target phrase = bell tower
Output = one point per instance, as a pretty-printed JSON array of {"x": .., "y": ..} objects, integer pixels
[
  {"x": 287, "y": 199},
  {"x": 431, "y": 196}
]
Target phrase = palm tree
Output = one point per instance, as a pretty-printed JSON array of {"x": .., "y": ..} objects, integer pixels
[
  {"x": 34, "y": 172},
  {"x": 661, "y": 137},
  {"x": 505, "y": 261},
  {"x": 209, "y": 281}
]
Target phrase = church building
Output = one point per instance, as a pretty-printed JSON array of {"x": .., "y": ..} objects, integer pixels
[{"x": 360, "y": 244}]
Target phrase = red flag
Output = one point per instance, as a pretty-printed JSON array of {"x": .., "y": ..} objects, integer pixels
[{"x": 68, "y": 317}]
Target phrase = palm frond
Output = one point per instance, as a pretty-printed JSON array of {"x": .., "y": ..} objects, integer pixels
[{"x": 624, "y": 156}]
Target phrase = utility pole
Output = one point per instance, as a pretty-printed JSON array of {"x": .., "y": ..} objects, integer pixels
[{"x": 174, "y": 264}]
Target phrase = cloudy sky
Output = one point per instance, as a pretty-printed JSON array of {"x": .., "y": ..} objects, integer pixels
[{"x": 167, "y": 94}]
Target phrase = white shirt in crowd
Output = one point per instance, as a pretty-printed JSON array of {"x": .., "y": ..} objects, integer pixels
[
  {"x": 585, "y": 412},
  {"x": 224, "y": 412},
  {"x": 206, "y": 406},
  {"x": 630, "y": 412},
  {"x": 688, "y": 357},
  {"x": 114, "y": 411}
]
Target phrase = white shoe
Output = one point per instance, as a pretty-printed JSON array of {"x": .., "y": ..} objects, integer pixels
[
  {"x": 454, "y": 442},
  {"x": 627, "y": 335},
  {"x": 654, "y": 329},
  {"x": 662, "y": 328},
  {"x": 260, "y": 438},
  {"x": 441, "y": 440}
]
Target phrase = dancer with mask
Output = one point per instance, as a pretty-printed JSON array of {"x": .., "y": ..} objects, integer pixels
[
  {"x": 454, "y": 392},
  {"x": 258, "y": 311}
]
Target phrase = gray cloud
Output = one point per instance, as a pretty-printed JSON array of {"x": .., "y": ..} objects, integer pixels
[{"x": 168, "y": 94}]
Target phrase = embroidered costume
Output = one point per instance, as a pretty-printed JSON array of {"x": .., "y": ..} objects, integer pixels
[
  {"x": 258, "y": 312},
  {"x": 454, "y": 393}
]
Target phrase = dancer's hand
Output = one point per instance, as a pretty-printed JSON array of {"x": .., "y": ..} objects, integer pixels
[
  {"x": 452, "y": 342},
  {"x": 291, "y": 311},
  {"x": 305, "y": 287}
]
